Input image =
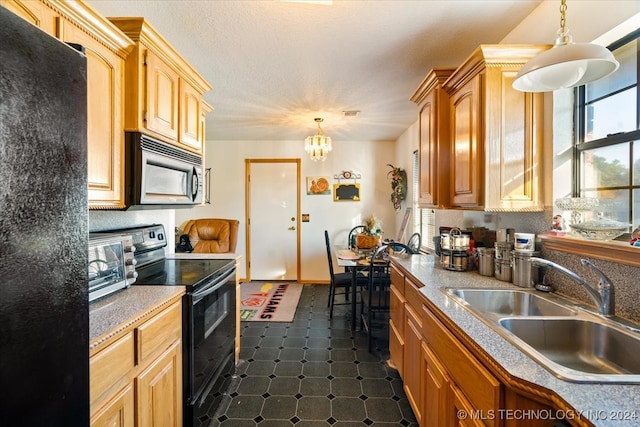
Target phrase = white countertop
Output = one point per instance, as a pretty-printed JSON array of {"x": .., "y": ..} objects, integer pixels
[{"x": 600, "y": 403}]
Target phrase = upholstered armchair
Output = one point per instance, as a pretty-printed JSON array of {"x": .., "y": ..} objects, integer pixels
[{"x": 212, "y": 235}]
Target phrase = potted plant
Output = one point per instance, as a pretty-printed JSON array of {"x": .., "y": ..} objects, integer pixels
[{"x": 371, "y": 235}]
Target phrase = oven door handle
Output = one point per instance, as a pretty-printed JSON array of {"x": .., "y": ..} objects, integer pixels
[{"x": 217, "y": 284}]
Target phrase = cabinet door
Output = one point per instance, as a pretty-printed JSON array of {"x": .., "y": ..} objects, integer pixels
[
  {"x": 396, "y": 329},
  {"x": 159, "y": 391},
  {"x": 36, "y": 12},
  {"x": 190, "y": 117},
  {"x": 161, "y": 98},
  {"x": 513, "y": 135},
  {"x": 434, "y": 149},
  {"x": 435, "y": 389},
  {"x": 119, "y": 412},
  {"x": 465, "y": 415},
  {"x": 466, "y": 151},
  {"x": 413, "y": 358},
  {"x": 105, "y": 138}
]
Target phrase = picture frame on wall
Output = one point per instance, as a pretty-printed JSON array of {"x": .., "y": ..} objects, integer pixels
[
  {"x": 318, "y": 185},
  {"x": 346, "y": 192}
]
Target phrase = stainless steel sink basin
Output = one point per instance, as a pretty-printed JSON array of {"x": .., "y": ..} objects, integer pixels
[
  {"x": 570, "y": 341},
  {"x": 509, "y": 302},
  {"x": 579, "y": 349}
]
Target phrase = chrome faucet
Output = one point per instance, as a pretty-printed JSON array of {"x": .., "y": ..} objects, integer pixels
[{"x": 604, "y": 297}]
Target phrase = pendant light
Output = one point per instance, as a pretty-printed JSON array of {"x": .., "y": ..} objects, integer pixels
[
  {"x": 319, "y": 145},
  {"x": 566, "y": 64}
]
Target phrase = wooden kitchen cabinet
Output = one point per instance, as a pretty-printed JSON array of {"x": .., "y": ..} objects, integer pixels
[
  {"x": 159, "y": 391},
  {"x": 38, "y": 13},
  {"x": 413, "y": 357},
  {"x": 135, "y": 371},
  {"x": 434, "y": 143},
  {"x": 164, "y": 93},
  {"x": 496, "y": 133},
  {"x": 106, "y": 48},
  {"x": 396, "y": 319},
  {"x": 435, "y": 389}
]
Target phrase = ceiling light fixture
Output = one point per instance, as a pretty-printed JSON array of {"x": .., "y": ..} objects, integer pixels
[
  {"x": 566, "y": 64},
  {"x": 319, "y": 145}
]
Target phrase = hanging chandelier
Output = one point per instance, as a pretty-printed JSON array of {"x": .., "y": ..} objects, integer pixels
[
  {"x": 319, "y": 145},
  {"x": 566, "y": 64}
]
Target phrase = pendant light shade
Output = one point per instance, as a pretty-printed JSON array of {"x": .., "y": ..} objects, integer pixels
[
  {"x": 566, "y": 64},
  {"x": 319, "y": 145}
]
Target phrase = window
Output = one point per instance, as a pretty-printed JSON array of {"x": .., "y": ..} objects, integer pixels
[
  {"x": 607, "y": 150},
  {"x": 423, "y": 219}
]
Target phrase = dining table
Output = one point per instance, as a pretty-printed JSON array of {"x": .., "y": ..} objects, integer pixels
[{"x": 357, "y": 263}]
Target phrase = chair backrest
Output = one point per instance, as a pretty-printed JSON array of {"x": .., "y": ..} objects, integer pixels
[
  {"x": 328, "y": 244},
  {"x": 352, "y": 235},
  {"x": 415, "y": 243},
  {"x": 212, "y": 235}
]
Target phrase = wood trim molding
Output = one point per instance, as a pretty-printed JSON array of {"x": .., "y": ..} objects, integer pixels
[{"x": 613, "y": 251}]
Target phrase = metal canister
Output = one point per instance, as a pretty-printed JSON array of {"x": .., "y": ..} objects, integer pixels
[
  {"x": 525, "y": 275},
  {"x": 502, "y": 270},
  {"x": 503, "y": 250},
  {"x": 486, "y": 258}
]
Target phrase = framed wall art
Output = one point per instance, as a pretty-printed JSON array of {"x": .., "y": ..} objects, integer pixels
[
  {"x": 346, "y": 192},
  {"x": 317, "y": 185}
]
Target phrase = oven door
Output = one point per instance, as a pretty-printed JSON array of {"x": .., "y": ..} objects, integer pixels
[{"x": 212, "y": 337}]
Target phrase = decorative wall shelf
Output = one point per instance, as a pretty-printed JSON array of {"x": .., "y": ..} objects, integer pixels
[{"x": 613, "y": 251}]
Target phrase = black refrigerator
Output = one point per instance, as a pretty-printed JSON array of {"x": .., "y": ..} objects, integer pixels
[{"x": 44, "y": 309}]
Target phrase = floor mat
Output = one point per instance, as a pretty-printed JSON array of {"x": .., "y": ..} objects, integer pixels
[{"x": 269, "y": 301}]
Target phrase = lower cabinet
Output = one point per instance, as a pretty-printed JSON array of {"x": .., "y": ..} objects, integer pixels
[
  {"x": 446, "y": 381},
  {"x": 136, "y": 375}
]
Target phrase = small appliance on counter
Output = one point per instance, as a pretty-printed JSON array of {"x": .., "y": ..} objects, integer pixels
[{"x": 111, "y": 264}]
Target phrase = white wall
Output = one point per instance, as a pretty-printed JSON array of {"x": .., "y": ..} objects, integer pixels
[{"x": 367, "y": 158}]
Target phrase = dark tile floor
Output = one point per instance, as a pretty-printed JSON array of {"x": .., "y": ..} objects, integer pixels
[{"x": 313, "y": 372}]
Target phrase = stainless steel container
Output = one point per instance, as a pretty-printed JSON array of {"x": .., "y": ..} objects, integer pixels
[
  {"x": 486, "y": 257},
  {"x": 524, "y": 274},
  {"x": 455, "y": 260},
  {"x": 502, "y": 269},
  {"x": 503, "y": 250}
]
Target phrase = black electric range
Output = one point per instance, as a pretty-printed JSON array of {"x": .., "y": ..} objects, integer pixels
[{"x": 209, "y": 314}]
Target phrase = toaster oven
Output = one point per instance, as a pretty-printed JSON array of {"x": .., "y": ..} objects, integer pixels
[{"x": 111, "y": 264}]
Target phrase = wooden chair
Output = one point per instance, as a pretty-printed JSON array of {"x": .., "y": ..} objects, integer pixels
[
  {"x": 375, "y": 297},
  {"x": 340, "y": 282}
]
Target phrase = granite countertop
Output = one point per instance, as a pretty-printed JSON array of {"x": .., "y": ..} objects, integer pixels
[
  {"x": 602, "y": 404},
  {"x": 106, "y": 314}
]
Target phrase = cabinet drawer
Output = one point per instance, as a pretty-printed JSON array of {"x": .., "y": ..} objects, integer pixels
[
  {"x": 397, "y": 279},
  {"x": 481, "y": 388},
  {"x": 108, "y": 368},
  {"x": 160, "y": 331},
  {"x": 413, "y": 295}
]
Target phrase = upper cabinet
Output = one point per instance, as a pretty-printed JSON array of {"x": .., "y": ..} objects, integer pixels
[
  {"x": 164, "y": 93},
  {"x": 495, "y": 132},
  {"x": 38, "y": 13},
  {"x": 434, "y": 145},
  {"x": 106, "y": 48}
]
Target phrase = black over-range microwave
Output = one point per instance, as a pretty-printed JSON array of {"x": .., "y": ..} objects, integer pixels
[{"x": 159, "y": 175}]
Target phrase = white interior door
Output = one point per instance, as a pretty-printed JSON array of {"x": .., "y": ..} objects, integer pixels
[{"x": 273, "y": 220}]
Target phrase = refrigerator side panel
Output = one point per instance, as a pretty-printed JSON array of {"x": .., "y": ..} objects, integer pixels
[{"x": 44, "y": 315}]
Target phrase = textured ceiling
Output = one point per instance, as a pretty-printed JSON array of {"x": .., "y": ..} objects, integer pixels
[{"x": 276, "y": 65}]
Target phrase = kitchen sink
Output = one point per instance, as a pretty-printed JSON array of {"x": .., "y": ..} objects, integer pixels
[
  {"x": 508, "y": 302},
  {"x": 570, "y": 341},
  {"x": 579, "y": 349}
]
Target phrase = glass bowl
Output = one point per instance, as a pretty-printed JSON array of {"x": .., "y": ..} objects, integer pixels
[{"x": 600, "y": 229}]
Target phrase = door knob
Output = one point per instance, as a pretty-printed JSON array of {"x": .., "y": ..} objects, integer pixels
[{"x": 292, "y": 227}]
